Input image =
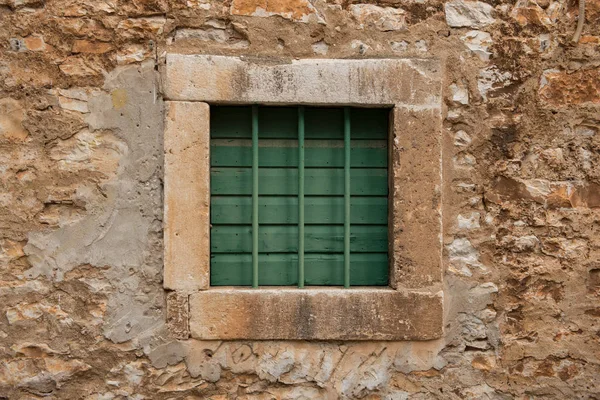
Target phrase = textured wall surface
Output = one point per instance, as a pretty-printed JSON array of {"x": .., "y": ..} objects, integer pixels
[{"x": 82, "y": 304}]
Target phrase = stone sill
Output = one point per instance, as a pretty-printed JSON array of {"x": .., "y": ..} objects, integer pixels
[{"x": 315, "y": 313}]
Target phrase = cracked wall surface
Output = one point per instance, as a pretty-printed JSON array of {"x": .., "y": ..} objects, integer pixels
[{"x": 83, "y": 311}]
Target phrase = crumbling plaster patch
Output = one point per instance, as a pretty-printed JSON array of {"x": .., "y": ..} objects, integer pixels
[{"x": 123, "y": 224}]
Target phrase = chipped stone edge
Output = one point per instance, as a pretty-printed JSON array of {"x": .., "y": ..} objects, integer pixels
[{"x": 230, "y": 81}]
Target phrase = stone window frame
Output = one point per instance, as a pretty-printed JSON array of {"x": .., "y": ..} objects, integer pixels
[{"x": 411, "y": 308}]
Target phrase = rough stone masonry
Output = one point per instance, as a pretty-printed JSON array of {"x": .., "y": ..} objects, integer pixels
[{"x": 83, "y": 307}]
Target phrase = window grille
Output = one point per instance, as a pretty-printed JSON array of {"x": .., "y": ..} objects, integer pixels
[{"x": 299, "y": 196}]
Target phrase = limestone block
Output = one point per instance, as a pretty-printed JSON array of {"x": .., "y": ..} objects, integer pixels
[
  {"x": 187, "y": 196},
  {"x": 315, "y": 314}
]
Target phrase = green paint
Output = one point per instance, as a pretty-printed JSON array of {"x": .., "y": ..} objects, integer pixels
[
  {"x": 279, "y": 195},
  {"x": 347, "y": 128},
  {"x": 300, "y": 198},
  {"x": 284, "y": 210},
  {"x": 283, "y": 153},
  {"x": 284, "y": 181},
  {"x": 255, "y": 174},
  {"x": 320, "y": 123},
  {"x": 366, "y": 269},
  {"x": 285, "y": 239}
]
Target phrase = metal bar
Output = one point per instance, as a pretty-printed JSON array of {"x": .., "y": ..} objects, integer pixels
[
  {"x": 347, "y": 197},
  {"x": 301, "y": 197},
  {"x": 254, "y": 196}
]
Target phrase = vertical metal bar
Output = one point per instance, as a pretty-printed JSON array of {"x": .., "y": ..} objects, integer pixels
[
  {"x": 347, "y": 197},
  {"x": 301, "y": 197},
  {"x": 254, "y": 196}
]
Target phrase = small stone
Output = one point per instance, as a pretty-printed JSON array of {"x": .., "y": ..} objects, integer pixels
[
  {"x": 361, "y": 46},
  {"x": 77, "y": 67},
  {"x": 382, "y": 18},
  {"x": 399, "y": 47},
  {"x": 201, "y": 4},
  {"x": 492, "y": 78},
  {"x": 545, "y": 42},
  {"x": 464, "y": 13},
  {"x": 320, "y": 47},
  {"x": 11, "y": 120},
  {"x": 464, "y": 160},
  {"x": 470, "y": 221},
  {"x": 585, "y": 130},
  {"x": 478, "y": 42},
  {"x": 11, "y": 249},
  {"x": 421, "y": 45},
  {"x": 483, "y": 363},
  {"x": 141, "y": 28},
  {"x": 459, "y": 94},
  {"x": 565, "y": 248},
  {"x": 34, "y": 43},
  {"x": 133, "y": 53},
  {"x": 294, "y": 10},
  {"x": 462, "y": 139},
  {"x": 463, "y": 255},
  {"x": 526, "y": 12},
  {"x": 17, "y": 44},
  {"x": 209, "y": 34},
  {"x": 87, "y": 46},
  {"x": 562, "y": 88}
]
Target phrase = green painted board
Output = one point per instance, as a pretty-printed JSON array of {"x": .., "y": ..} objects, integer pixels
[
  {"x": 282, "y": 269},
  {"x": 284, "y": 210},
  {"x": 284, "y": 239},
  {"x": 231, "y": 196},
  {"x": 281, "y": 122},
  {"x": 284, "y": 153},
  {"x": 284, "y": 181}
]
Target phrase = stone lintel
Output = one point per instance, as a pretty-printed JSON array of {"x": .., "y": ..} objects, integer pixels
[
  {"x": 315, "y": 314},
  {"x": 187, "y": 196},
  {"x": 375, "y": 82}
]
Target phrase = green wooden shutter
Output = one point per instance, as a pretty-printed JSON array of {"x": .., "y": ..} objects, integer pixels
[{"x": 278, "y": 200}]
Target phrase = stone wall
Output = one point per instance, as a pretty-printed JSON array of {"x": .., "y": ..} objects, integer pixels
[{"x": 83, "y": 306}]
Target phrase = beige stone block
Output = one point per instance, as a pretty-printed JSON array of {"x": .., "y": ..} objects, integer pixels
[
  {"x": 416, "y": 203},
  {"x": 315, "y": 314},
  {"x": 187, "y": 196},
  {"x": 416, "y": 82}
]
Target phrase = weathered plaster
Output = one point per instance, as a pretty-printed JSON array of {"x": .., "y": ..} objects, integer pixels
[{"x": 124, "y": 217}]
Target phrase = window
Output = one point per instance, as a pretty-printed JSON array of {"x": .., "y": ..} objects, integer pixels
[
  {"x": 285, "y": 206},
  {"x": 208, "y": 209}
]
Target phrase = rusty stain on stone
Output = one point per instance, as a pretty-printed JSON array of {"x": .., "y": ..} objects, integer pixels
[{"x": 119, "y": 98}]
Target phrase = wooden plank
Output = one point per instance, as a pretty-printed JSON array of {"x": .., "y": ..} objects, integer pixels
[
  {"x": 366, "y": 269},
  {"x": 284, "y": 210},
  {"x": 284, "y": 239},
  {"x": 284, "y": 153},
  {"x": 281, "y": 122},
  {"x": 284, "y": 181}
]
